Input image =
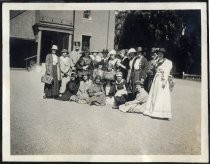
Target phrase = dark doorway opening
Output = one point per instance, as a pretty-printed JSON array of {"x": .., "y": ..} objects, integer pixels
[
  {"x": 21, "y": 49},
  {"x": 49, "y": 38}
]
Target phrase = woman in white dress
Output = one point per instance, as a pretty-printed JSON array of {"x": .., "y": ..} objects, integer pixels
[{"x": 159, "y": 101}]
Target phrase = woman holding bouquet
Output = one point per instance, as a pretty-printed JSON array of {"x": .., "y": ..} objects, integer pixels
[{"x": 159, "y": 100}]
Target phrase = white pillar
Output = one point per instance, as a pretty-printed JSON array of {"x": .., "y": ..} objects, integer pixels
[
  {"x": 70, "y": 43},
  {"x": 39, "y": 47}
]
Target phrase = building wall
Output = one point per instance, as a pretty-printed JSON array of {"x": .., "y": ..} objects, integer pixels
[
  {"x": 21, "y": 25},
  {"x": 97, "y": 28},
  {"x": 65, "y": 16}
]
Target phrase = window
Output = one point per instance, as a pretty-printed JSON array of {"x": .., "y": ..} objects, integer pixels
[
  {"x": 87, "y": 14},
  {"x": 85, "y": 42}
]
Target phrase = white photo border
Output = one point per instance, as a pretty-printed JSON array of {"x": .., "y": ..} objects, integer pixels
[{"x": 6, "y": 7}]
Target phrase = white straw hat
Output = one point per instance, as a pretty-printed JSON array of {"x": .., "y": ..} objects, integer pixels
[
  {"x": 113, "y": 52},
  {"x": 131, "y": 50},
  {"x": 54, "y": 47}
]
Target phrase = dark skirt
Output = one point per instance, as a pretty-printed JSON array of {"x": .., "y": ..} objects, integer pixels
[
  {"x": 98, "y": 100},
  {"x": 65, "y": 96},
  {"x": 135, "y": 76},
  {"x": 52, "y": 90},
  {"x": 119, "y": 100},
  {"x": 148, "y": 82}
]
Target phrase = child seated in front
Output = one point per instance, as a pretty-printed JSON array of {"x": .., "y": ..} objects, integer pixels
[{"x": 120, "y": 91}]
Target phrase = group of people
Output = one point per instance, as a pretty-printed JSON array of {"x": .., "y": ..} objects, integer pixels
[{"x": 125, "y": 79}]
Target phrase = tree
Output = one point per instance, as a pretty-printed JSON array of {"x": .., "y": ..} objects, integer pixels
[{"x": 178, "y": 31}]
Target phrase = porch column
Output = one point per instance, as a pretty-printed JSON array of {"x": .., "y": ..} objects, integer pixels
[
  {"x": 70, "y": 43},
  {"x": 39, "y": 47}
]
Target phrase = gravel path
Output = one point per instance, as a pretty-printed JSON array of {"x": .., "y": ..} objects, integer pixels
[{"x": 42, "y": 127}]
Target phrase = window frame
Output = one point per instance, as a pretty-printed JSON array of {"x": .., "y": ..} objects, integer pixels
[
  {"x": 90, "y": 15},
  {"x": 87, "y": 35}
]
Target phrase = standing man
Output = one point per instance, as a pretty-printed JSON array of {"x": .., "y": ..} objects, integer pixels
[{"x": 75, "y": 54}]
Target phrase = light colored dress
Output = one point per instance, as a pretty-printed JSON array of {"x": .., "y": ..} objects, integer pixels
[
  {"x": 74, "y": 56},
  {"x": 137, "y": 105},
  {"x": 159, "y": 100},
  {"x": 82, "y": 95},
  {"x": 65, "y": 66},
  {"x": 97, "y": 99}
]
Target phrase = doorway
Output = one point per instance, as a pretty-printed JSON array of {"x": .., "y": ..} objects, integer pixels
[{"x": 49, "y": 38}]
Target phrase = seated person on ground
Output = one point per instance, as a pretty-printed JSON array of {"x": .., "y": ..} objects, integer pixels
[
  {"x": 96, "y": 93},
  {"x": 82, "y": 96},
  {"x": 120, "y": 91},
  {"x": 137, "y": 105},
  {"x": 71, "y": 88}
]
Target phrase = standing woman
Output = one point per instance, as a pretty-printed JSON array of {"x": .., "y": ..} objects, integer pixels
[
  {"x": 84, "y": 64},
  {"x": 159, "y": 101},
  {"x": 66, "y": 66},
  {"x": 53, "y": 69},
  {"x": 124, "y": 64},
  {"x": 132, "y": 76}
]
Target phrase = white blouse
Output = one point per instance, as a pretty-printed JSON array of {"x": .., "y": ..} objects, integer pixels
[{"x": 55, "y": 59}]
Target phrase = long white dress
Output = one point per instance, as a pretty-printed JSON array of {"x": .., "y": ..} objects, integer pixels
[{"x": 159, "y": 100}]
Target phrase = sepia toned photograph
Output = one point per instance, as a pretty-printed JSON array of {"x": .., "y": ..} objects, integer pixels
[{"x": 105, "y": 83}]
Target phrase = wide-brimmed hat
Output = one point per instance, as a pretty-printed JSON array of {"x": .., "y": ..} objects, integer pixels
[
  {"x": 154, "y": 49},
  {"x": 94, "y": 51},
  {"x": 112, "y": 52},
  {"x": 131, "y": 50},
  {"x": 123, "y": 51},
  {"x": 119, "y": 74},
  {"x": 139, "y": 49},
  {"x": 54, "y": 47},
  {"x": 65, "y": 51},
  {"x": 163, "y": 50}
]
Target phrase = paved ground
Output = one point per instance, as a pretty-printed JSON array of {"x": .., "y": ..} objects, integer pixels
[{"x": 43, "y": 127}]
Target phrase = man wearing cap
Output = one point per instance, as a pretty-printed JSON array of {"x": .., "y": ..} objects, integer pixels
[
  {"x": 52, "y": 64},
  {"x": 66, "y": 68},
  {"x": 75, "y": 54},
  {"x": 137, "y": 105}
]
